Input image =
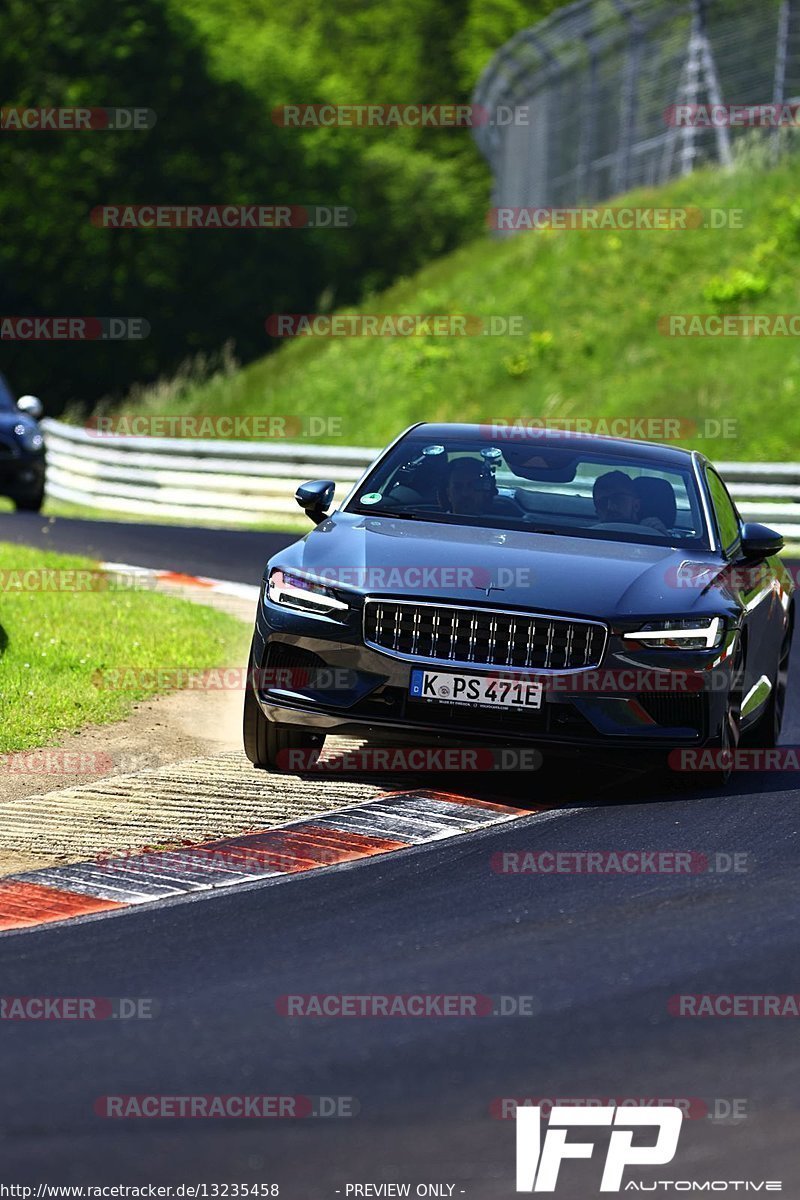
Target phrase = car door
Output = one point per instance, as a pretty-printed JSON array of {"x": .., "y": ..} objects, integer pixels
[{"x": 751, "y": 583}]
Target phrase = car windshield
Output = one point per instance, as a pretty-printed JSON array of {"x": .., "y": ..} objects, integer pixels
[{"x": 536, "y": 487}]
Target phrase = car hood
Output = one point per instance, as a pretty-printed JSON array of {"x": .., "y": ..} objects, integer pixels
[{"x": 544, "y": 572}]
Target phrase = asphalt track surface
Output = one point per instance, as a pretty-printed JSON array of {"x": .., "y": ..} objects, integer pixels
[
  {"x": 601, "y": 956},
  {"x": 235, "y": 554}
]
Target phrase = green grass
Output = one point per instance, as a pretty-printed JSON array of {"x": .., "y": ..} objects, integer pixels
[
  {"x": 55, "y": 642},
  {"x": 591, "y": 302}
]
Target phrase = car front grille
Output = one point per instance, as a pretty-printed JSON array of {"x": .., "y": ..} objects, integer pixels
[{"x": 482, "y": 637}]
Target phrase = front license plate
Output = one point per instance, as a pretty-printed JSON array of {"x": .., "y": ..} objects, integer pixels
[{"x": 454, "y": 688}]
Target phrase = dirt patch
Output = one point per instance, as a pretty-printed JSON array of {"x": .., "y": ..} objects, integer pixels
[
  {"x": 172, "y": 772},
  {"x": 158, "y": 732},
  {"x": 162, "y": 731},
  {"x": 167, "y": 729}
]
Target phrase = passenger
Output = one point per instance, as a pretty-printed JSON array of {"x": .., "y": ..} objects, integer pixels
[{"x": 615, "y": 500}]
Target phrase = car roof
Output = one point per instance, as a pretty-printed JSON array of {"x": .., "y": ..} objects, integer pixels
[{"x": 652, "y": 452}]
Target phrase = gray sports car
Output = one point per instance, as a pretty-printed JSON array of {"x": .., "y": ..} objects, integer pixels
[{"x": 552, "y": 589}]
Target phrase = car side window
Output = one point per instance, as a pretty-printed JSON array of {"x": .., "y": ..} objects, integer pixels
[{"x": 726, "y": 514}]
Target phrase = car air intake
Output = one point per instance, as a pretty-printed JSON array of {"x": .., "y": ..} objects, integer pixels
[
  {"x": 676, "y": 710},
  {"x": 482, "y": 637}
]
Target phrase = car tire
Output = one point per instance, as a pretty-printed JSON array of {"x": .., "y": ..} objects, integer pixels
[
  {"x": 725, "y": 745},
  {"x": 766, "y": 732},
  {"x": 30, "y": 503},
  {"x": 266, "y": 744}
]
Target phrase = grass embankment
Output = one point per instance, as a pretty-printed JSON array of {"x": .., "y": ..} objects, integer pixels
[
  {"x": 56, "y": 643},
  {"x": 591, "y": 302}
]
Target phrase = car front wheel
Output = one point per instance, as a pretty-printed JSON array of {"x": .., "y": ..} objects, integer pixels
[
  {"x": 32, "y": 503},
  {"x": 277, "y": 747},
  {"x": 724, "y": 746}
]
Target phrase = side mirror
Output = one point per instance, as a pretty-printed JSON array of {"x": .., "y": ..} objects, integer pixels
[
  {"x": 31, "y": 405},
  {"x": 315, "y": 498},
  {"x": 759, "y": 541}
]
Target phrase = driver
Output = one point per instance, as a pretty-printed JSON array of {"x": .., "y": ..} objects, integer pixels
[
  {"x": 615, "y": 500},
  {"x": 468, "y": 488}
]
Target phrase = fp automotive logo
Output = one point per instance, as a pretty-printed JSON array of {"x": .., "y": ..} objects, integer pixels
[{"x": 538, "y": 1165}]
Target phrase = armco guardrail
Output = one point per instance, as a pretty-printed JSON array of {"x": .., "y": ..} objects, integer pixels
[
  {"x": 244, "y": 482},
  {"x": 214, "y": 479}
]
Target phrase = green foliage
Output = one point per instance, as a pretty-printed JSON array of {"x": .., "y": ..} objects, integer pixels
[
  {"x": 591, "y": 346},
  {"x": 208, "y": 146},
  {"x": 213, "y": 71},
  {"x": 490, "y": 23},
  {"x": 725, "y": 291}
]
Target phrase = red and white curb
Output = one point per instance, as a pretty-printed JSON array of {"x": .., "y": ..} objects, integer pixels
[
  {"x": 392, "y": 822},
  {"x": 223, "y": 587}
]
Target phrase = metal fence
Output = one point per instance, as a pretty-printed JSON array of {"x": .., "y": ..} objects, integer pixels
[
  {"x": 241, "y": 483},
  {"x": 579, "y": 106}
]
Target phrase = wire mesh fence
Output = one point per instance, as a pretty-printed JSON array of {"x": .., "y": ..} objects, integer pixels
[{"x": 608, "y": 95}]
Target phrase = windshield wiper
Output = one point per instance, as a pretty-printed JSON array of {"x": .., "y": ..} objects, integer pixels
[{"x": 401, "y": 516}]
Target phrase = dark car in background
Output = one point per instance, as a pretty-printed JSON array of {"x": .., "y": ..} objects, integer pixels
[
  {"x": 552, "y": 588},
  {"x": 22, "y": 451}
]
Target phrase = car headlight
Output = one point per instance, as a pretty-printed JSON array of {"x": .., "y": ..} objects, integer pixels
[
  {"x": 690, "y": 633},
  {"x": 296, "y": 591},
  {"x": 29, "y": 436}
]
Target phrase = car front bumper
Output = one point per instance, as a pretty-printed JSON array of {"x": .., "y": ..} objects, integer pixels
[{"x": 318, "y": 673}]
